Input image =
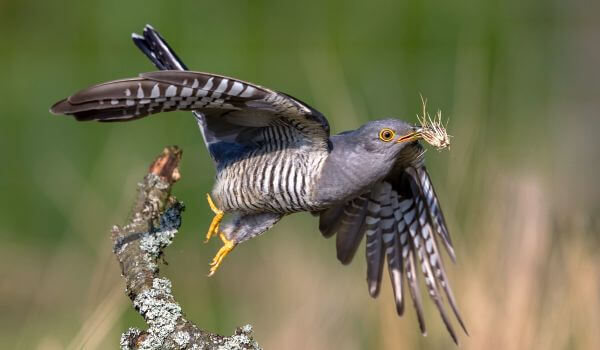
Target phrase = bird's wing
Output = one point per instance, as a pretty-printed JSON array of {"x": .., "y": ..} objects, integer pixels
[
  {"x": 403, "y": 222},
  {"x": 237, "y": 114}
]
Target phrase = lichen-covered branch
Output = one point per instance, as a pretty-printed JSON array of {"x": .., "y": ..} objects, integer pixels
[{"x": 138, "y": 246}]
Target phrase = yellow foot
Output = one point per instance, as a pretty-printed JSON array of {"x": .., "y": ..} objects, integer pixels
[
  {"x": 221, "y": 254},
  {"x": 214, "y": 225}
]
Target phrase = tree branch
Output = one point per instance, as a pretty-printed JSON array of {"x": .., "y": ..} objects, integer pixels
[{"x": 153, "y": 223}]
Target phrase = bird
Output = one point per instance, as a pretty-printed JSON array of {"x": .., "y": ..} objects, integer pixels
[{"x": 275, "y": 156}]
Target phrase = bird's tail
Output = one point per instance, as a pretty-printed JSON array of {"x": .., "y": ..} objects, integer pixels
[
  {"x": 129, "y": 99},
  {"x": 152, "y": 44}
]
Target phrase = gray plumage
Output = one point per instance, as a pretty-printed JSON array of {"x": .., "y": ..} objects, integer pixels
[{"x": 274, "y": 156}]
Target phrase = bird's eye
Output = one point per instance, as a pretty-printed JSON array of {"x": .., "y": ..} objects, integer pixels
[{"x": 386, "y": 135}]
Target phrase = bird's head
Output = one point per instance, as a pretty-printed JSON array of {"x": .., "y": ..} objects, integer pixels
[{"x": 388, "y": 137}]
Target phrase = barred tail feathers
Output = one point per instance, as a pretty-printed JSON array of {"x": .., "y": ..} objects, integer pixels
[
  {"x": 155, "y": 47},
  {"x": 152, "y": 44}
]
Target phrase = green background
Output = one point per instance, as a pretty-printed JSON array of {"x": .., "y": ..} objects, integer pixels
[{"x": 519, "y": 81}]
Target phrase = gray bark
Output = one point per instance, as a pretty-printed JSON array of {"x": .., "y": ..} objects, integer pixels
[{"x": 138, "y": 246}]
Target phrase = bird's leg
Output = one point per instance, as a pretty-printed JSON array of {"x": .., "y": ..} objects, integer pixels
[
  {"x": 213, "y": 230},
  {"x": 227, "y": 247},
  {"x": 240, "y": 228}
]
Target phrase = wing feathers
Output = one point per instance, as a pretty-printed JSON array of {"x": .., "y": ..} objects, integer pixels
[
  {"x": 351, "y": 229},
  {"x": 329, "y": 220},
  {"x": 423, "y": 248},
  {"x": 209, "y": 82},
  {"x": 393, "y": 252},
  {"x": 432, "y": 261},
  {"x": 439, "y": 222},
  {"x": 222, "y": 105},
  {"x": 219, "y": 103},
  {"x": 413, "y": 286},
  {"x": 116, "y": 89},
  {"x": 403, "y": 221},
  {"x": 374, "y": 246}
]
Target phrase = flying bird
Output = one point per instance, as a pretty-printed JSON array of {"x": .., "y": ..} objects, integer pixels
[{"x": 274, "y": 156}]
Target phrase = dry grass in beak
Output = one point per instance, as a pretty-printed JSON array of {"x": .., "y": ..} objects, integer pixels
[{"x": 433, "y": 130}]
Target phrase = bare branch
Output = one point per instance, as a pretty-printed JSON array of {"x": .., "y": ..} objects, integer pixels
[{"x": 152, "y": 226}]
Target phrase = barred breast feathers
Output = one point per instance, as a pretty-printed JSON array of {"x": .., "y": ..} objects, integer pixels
[{"x": 277, "y": 177}]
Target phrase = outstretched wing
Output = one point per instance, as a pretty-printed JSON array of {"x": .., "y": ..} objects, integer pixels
[
  {"x": 233, "y": 115},
  {"x": 403, "y": 222},
  {"x": 234, "y": 110}
]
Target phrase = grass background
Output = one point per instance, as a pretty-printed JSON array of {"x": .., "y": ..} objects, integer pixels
[{"x": 518, "y": 79}]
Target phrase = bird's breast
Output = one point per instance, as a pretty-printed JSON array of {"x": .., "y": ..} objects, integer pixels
[
  {"x": 345, "y": 176},
  {"x": 280, "y": 181}
]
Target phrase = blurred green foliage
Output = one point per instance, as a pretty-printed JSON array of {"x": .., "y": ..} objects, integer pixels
[{"x": 519, "y": 81}]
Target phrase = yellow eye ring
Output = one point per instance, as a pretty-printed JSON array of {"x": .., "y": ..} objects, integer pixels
[{"x": 387, "y": 135}]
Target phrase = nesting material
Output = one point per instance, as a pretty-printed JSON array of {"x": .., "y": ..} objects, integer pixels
[{"x": 433, "y": 130}]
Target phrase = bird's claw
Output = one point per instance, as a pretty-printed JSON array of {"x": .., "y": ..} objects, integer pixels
[
  {"x": 221, "y": 254},
  {"x": 213, "y": 230}
]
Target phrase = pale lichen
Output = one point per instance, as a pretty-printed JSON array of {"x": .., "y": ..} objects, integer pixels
[
  {"x": 160, "y": 313},
  {"x": 181, "y": 338},
  {"x": 153, "y": 242},
  {"x": 152, "y": 226},
  {"x": 126, "y": 338},
  {"x": 241, "y": 340}
]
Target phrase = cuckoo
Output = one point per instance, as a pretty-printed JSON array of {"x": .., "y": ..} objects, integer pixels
[{"x": 274, "y": 156}]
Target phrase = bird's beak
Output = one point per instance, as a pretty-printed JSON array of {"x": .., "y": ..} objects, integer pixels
[{"x": 415, "y": 135}]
